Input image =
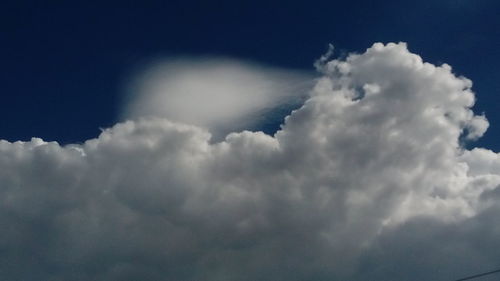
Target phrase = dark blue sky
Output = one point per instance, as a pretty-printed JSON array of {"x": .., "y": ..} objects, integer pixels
[{"x": 64, "y": 63}]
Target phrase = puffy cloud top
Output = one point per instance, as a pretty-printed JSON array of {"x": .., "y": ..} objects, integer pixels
[{"x": 368, "y": 180}]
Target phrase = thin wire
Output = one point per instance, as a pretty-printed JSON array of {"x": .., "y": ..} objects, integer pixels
[{"x": 478, "y": 275}]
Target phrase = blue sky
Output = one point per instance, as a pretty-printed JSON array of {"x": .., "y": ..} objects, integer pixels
[{"x": 65, "y": 64}]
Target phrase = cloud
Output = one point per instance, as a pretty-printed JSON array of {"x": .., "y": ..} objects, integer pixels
[
  {"x": 223, "y": 95},
  {"x": 367, "y": 180}
]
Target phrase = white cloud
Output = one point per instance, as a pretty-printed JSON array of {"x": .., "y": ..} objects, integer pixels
[
  {"x": 367, "y": 180},
  {"x": 220, "y": 94}
]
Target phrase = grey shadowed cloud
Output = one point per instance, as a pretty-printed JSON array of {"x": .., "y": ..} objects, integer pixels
[{"x": 366, "y": 181}]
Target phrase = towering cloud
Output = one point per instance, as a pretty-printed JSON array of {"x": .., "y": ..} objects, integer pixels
[{"x": 367, "y": 180}]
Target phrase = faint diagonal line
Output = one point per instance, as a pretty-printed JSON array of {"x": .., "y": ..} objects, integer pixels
[{"x": 478, "y": 275}]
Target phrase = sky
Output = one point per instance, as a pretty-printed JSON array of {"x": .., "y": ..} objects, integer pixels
[{"x": 223, "y": 140}]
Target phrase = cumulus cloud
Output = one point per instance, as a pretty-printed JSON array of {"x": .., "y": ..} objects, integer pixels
[{"x": 367, "y": 180}]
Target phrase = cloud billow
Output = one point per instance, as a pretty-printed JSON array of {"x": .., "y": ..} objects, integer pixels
[{"x": 368, "y": 180}]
